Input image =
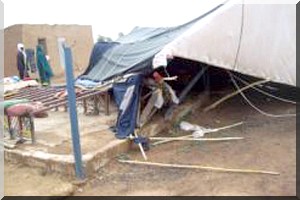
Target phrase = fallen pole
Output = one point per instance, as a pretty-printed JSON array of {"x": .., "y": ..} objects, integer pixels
[
  {"x": 196, "y": 139},
  {"x": 141, "y": 147},
  {"x": 188, "y": 138},
  {"x": 198, "y": 167},
  {"x": 170, "y": 139},
  {"x": 214, "y": 105}
]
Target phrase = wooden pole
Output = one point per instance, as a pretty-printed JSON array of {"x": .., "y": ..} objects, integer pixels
[
  {"x": 136, "y": 130},
  {"x": 196, "y": 139},
  {"x": 141, "y": 147},
  {"x": 220, "y": 169},
  {"x": 186, "y": 138},
  {"x": 170, "y": 139},
  {"x": 214, "y": 105}
]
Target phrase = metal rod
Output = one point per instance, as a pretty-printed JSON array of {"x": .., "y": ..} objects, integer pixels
[
  {"x": 141, "y": 147},
  {"x": 55, "y": 100},
  {"x": 185, "y": 91},
  {"x": 191, "y": 84},
  {"x": 64, "y": 102},
  {"x": 34, "y": 93}
]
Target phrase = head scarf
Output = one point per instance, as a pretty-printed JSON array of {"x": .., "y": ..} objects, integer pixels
[
  {"x": 19, "y": 46},
  {"x": 21, "y": 49}
]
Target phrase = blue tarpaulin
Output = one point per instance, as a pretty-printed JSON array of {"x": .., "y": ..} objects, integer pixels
[
  {"x": 127, "y": 96},
  {"x": 98, "y": 50},
  {"x": 134, "y": 52}
]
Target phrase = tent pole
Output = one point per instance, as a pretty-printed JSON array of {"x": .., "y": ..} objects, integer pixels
[
  {"x": 228, "y": 96},
  {"x": 73, "y": 114},
  {"x": 140, "y": 146},
  {"x": 139, "y": 126},
  {"x": 185, "y": 91},
  {"x": 191, "y": 84}
]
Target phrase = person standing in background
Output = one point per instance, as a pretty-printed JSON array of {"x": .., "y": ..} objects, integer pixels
[
  {"x": 21, "y": 61},
  {"x": 31, "y": 64},
  {"x": 45, "y": 71}
]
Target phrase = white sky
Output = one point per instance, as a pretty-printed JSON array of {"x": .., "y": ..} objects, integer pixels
[{"x": 107, "y": 17}]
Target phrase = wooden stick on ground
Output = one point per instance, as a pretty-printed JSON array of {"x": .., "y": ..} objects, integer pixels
[
  {"x": 199, "y": 167},
  {"x": 188, "y": 136},
  {"x": 192, "y": 139},
  {"x": 214, "y": 105},
  {"x": 141, "y": 147},
  {"x": 196, "y": 139}
]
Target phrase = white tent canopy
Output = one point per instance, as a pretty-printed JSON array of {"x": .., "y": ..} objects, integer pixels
[{"x": 253, "y": 39}]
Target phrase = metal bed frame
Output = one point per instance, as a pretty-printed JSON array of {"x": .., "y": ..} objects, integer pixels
[{"x": 46, "y": 95}]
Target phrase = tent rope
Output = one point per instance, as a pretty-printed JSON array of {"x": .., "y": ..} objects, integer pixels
[
  {"x": 236, "y": 85},
  {"x": 264, "y": 92},
  {"x": 255, "y": 107}
]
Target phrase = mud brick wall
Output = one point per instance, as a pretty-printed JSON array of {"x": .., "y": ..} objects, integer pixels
[{"x": 79, "y": 37}]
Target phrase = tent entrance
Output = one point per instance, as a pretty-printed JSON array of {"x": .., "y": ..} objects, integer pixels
[{"x": 217, "y": 82}]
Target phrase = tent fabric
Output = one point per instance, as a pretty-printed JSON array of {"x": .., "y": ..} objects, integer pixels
[
  {"x": 252, "y": 39},
  {"x": 216, "y": 39},
  {"x": 127, "y": 95},
  {"x": 141, "y": 33},
  {"x": 136, "y": 50},
  {"x": 98, "y": 50},
  {"x": 270, "y": 55}
]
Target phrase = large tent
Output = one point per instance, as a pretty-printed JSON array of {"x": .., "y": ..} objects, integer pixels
[{"x": 252, "y": 39}]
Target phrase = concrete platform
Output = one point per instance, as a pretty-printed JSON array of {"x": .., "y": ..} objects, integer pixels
[{"x": 53, "y": 149}]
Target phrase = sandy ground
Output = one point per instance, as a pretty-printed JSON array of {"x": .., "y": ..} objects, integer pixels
[
  {"x": 269, "y": 144},
  {"x": 24, "y": 181}
]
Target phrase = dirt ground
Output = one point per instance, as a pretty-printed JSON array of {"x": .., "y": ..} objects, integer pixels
[
  {"x": 268, "y": 144},
  {"x": 20, "y": 180}
]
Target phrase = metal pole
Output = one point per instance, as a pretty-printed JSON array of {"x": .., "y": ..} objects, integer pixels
[
  {"x": 73, "y": 113},
  {"x": 185, "y": 91},
  {"x": 191, "y": 84}
]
